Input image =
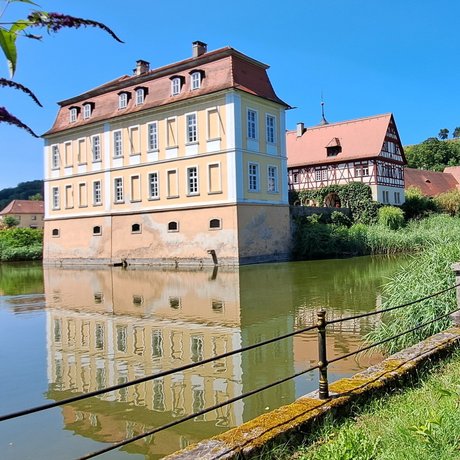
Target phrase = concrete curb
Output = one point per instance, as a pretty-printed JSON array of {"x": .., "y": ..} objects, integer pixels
[{"x": 290, "y": 421}]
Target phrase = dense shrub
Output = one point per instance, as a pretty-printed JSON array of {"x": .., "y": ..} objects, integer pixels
[
  {"x": 449, "y": 202},
  {"x": 416, "y": 205},
  {"x": 391, "y": 217},
  {"x": 340, "y": 219},
  {"x": 21, "y": 244}
]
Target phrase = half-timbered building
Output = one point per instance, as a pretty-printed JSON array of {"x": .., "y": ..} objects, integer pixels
[{"x": 366, "y": 150}]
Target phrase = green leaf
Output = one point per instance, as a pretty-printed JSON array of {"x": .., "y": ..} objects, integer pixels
[
  {"x": 8, "y": 45},
  {"x": 19, "y": 26},
  {"x": 24, "y": 1}
]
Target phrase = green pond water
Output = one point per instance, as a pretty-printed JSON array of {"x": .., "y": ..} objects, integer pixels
[{"x": 67, "y": 331}]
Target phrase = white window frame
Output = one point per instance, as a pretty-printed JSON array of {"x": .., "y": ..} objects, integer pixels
[
  {"x": 118, "y": 195},
  {"x": 55, "y": 198},
  {"x": 55, "y": 156},
  {"x": 97, "y": 193},
  {"x": 191, "y": 128},
  {"x": 73, "y": 115},
  {"x": 131, "y": 132},
  {"x": 270, "y": 128},
  {"x": 86, "y": 111},
  {"x": 96, "y": 148},
  {"x": 140, "y": 96},
  {"x": 253, "y": 177},
  {"x": 192, "y": 181},
  {"x": 195, "y": 80},
  {"x": 154, "y": 185},
  {"x": 123, "y": 100},
  {"x": 117, "y": 143},
  {"x": 252, "y": 124},
  {"x": 175, "y": 86},
  {"x": 152, "y": 136},
  {"x": 272, "y": 179}
]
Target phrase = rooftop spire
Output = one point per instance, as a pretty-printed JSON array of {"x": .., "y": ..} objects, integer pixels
[{"x": 323, "y": 118}]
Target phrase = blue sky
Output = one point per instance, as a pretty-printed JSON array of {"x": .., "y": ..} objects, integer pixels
[{"x": 365, "y": 56}]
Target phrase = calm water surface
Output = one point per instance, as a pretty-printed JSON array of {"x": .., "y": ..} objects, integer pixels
[{"x": 65, "y": 331}]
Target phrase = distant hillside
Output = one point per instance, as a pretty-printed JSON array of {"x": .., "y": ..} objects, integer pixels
[{"x": 22, "y": 191}]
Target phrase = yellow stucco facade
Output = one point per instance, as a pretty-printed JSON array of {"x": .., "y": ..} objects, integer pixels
[{"x": 173, "y": 182}]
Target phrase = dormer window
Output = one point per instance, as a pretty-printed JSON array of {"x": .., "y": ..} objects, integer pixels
[
  {"x": 73, "y": 114},
  {"x": 176, "y": 85},
  {"x": 87, "y": 110},
  {"x": 140, "y": 95},
  {"x": 195, "y": 80},
  {"x": 334, "y": 147},
  {"x": 123, "y": 99}
]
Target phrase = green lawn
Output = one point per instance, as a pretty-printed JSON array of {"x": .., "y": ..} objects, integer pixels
[{"x": 421, "y": 422}]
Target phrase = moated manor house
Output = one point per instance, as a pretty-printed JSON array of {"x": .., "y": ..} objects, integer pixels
[
  {"x": 187, "y": 164},
  {"x": 181, "y": 164}
]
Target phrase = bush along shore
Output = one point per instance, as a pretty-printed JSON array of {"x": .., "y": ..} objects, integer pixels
[{"x": 18, "y": 244}]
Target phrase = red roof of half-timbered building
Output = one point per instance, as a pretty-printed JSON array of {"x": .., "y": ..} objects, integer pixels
[
  {"x": 431, "y": 183},
  {"x": 359, "y": 139}
]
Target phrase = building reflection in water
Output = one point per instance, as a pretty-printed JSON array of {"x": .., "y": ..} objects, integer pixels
[{"x": 109, "y": 326}]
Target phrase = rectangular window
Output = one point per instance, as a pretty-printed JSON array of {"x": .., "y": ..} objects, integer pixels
[
  {"x": 215, "y": 183},
  {"x": 73, "y": 115},
  {"x": 87, "y": 111},
  {"x": 272, "y": 179},
  {"x": 171, "y": 133},
  {"x": 68, "y": 153},
  {"x": 55, "y": 197},
  {"x": 82, "y": 195},
  {"x": 253, "y": 177},
  {"x": 122, "y": 100},
  {"x": 139, "y": 96},
  {"x": 154, "y": 189},
  {"x": 271, "y": 129},
  {"x": 55, "y": 156},
  {"x": 97, "y": 193},
  {"x": 81, "y": 151},
  {"x": 386, "y": 196},
  {"x": 173, "y": 186},
  {"x": 135, "y": 188},
  {"x": 397, "y": 198},
  {"x": 117, "y": 144},
  {"x": 192, "y": 181},
  {"x": 252, "y": 124},
  {"x": 134, "y": 140},
  {"x": 175, "y": 86},
  {"x": 96, "y": 148},
  {"x": 196, "y": 80},
  {"x": 152, "y": 132},
  {"x": 191, "y": 127},
  {"x": 118, "y": 190},
  {"x": 68, "y": 197}
]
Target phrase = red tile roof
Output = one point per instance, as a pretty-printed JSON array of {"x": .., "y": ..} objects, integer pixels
[
  {"x": 431, "y": 183},
  {"x": 224, "y": 68},
  {"x": 24, "y": 207},
  {"x": 359, "y": 139}
]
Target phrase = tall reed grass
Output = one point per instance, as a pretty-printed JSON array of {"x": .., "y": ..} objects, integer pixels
[{"x": 430, "y": 271}]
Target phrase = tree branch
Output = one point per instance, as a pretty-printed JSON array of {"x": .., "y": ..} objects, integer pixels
[{"x": 6, "y": 117}]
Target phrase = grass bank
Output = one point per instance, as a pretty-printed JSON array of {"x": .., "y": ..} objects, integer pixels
[
  {"x": 18, "y": 244},
  {"x": 418, "y": 423},
  {"x": 314, "y": 239}
]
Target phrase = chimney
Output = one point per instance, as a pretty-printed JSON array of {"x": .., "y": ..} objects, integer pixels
[
  {"x": 141, "y": 67},
  {"x": 199, "y": 48},
  {"x": 300, "y": 129}
]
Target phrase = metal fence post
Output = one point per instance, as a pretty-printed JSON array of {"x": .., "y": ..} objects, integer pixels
[
  {"x": 322, "y": 358},
  {"x": 455, "y": 317}
]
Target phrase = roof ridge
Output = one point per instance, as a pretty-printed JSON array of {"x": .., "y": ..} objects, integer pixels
[{"x": 355, "y": 120}]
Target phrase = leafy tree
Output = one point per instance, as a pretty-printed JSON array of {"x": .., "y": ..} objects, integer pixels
[
  {"x": 21, "y": 192},
  {"x": 449, "y": 202},
  {"x": 456, "y": 133},
  {"x": 443, "y": 134},
  {"x": 433, "y": 154},
  {"x": 10, "y": 221},
  {"x": 391, "y": 217},
  {"x": 10, "y": 31},
  {"x": 36, "y": 197},
  {"x": 417, "y": 205}
]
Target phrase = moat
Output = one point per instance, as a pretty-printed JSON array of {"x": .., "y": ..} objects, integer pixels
[{"x": 66, "y": 331}]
